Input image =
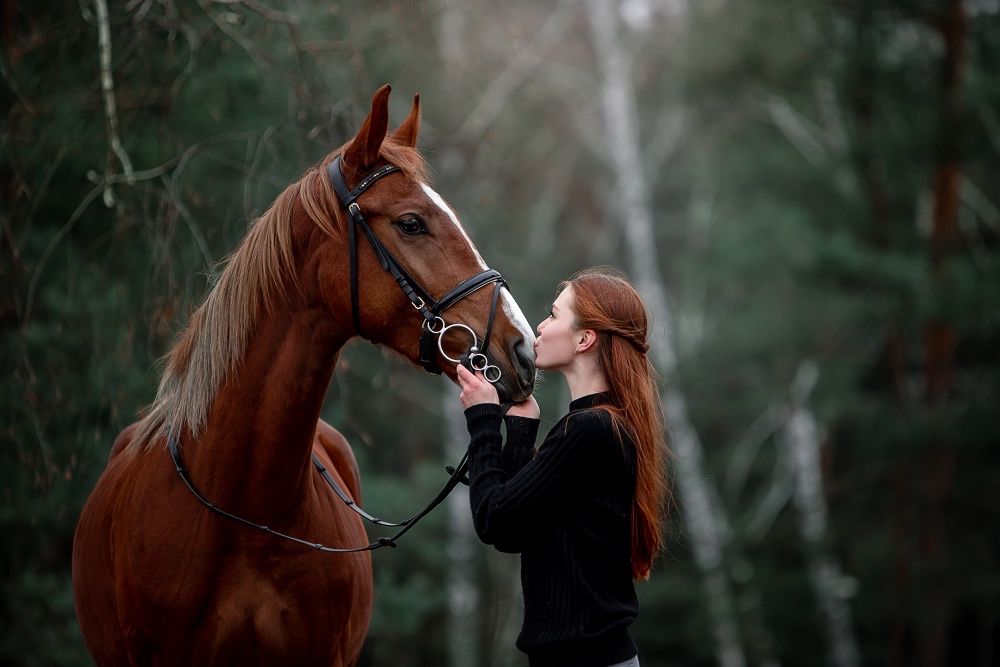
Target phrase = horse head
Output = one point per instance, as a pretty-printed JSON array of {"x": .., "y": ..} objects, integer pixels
[{"x": 414, "y": 268}]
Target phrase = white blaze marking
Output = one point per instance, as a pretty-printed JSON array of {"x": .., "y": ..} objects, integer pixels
[
  {"x": 436, "y": 198},
  {"x": 510, "y": 307},
  {"x": 515, "y": 315}
]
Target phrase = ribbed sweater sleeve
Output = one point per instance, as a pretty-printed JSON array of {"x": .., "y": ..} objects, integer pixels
[
  {"x": 520, "y": 445},
  {"x": 505, "y": 506}
]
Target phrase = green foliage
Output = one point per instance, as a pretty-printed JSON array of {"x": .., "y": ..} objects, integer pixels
[{"x": 795, "y": 211}]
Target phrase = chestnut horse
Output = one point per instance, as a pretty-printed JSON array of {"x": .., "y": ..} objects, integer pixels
[{"x": 161, "y": 580}]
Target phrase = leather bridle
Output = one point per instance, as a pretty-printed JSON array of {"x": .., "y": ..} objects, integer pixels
[{"x": 432, "y": 327}]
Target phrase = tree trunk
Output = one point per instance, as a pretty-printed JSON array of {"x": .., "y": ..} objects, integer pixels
[
  {"x": 463, "y": 594},
  {"x": 935, "y": 618},
  {"x": 700, "y": 507},
  {"x": 801, "y": 442}
]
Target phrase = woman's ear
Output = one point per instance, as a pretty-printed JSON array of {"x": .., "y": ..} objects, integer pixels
[{"x": 587, "y": 339}]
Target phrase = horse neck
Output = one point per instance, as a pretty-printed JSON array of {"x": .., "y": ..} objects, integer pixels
[{"x": 253, "y": 454}]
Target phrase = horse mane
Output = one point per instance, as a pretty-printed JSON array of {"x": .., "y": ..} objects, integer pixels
[{"x": 258, "y": 275}]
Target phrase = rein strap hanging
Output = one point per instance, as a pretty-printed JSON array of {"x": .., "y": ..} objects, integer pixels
[{"x": 457, "y": 476}]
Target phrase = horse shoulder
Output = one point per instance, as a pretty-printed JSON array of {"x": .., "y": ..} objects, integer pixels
[
  {"x": 122, "y": 441},
  {"x": 341, "y": 456}
]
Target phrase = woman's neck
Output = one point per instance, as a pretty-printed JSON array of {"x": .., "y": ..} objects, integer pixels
[{"x": 584, "y": 378}]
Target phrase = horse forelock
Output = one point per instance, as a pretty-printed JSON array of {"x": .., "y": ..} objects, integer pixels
[{"x": 254, "y": 277}]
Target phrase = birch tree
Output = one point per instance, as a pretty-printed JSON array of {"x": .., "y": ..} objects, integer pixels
[
  {"x": 801, "y": 443},
  {"x": 701, "y": 509},
  {"x": 463, "y": 591}
]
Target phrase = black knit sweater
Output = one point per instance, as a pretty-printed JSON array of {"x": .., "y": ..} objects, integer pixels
[{"x": 567, "y": 510}]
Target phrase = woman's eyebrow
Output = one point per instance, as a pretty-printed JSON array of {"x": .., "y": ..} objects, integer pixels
[{"x": 553, "y": 307}]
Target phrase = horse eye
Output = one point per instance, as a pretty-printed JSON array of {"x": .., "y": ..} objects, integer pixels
[{"x": 411, "y": 225}]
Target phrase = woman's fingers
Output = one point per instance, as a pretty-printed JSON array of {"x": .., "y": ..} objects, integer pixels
[
  {"x": 466, "y": 377},
  {"x": 475, "y": 388}
]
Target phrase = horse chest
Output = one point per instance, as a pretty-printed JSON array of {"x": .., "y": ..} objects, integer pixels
[
  {"x": 271, "y": 612},
  {"x": 215, "y": 592},
  {"x": 250, "y": 609}
]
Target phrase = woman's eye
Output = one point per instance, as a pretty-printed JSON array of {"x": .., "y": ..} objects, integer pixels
[{"x": 411, "y": 225}]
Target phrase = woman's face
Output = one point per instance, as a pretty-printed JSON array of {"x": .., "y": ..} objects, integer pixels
[{"x": 555, "y": 347}]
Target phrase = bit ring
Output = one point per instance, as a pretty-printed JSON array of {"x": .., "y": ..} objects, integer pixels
[
  {"x": 478, "y": 361},
  {"x": 440, "y": 334}
]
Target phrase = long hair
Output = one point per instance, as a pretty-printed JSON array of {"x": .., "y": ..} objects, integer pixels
[{"x": 606, "y": 302}]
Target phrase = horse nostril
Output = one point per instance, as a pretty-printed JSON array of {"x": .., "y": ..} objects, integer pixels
[{"x": 525, "y": 356}]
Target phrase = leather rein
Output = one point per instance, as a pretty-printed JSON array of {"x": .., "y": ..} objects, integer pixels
[{"x": 432, "y": 333}]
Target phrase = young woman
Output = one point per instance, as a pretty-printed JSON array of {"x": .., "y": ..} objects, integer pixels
[{"x": 585, "y": 510}]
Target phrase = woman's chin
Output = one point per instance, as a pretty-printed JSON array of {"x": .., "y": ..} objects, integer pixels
[{"x": 544, "y": 366}]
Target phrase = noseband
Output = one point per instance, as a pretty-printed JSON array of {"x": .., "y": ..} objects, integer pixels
[{"x": 434, "y": 326}]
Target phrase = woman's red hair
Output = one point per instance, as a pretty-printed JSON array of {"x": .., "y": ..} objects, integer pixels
[{"x": 607, "y": 303}]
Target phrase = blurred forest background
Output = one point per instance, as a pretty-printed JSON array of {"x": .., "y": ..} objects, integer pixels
[{"x": 806, "y": 192}]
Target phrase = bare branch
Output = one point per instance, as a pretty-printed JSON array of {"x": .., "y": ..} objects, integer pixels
[
  {"x": 779, "y": 492},
  {"x": 146, "y": 5},
  {"x": 829, "y": 107},
  {"x": 73, "y": 219},
  {"x": 173, "y": 199},
  {"x": 517, "y": 71},
  {"x": 981, "y": 205},
  {"x": 802, "y": 443},
  {"x": 251, "y": 170},
  {"x": 102, "y": 184},
  {"x": 800, "y": 132},
  {"x": 262, "y": 9},
  {"x": 108, "y": 87},
  {"x": 291, "y": 22},
  {"x": 221, "y": 22},
  {"x": 40, "y": 194},
  {"x": 745, "y": 451},
  {"x": 666, "y": 138}
]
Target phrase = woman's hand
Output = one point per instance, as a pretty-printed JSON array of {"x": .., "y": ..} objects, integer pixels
[
  {"x": 526, "y": 408},
  {"x": 475, "y": 388}
]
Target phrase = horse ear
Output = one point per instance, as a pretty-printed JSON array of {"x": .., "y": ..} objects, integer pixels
[
  {"x": 364, "y": 149},
  {"x": 408, "y": 130}
]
